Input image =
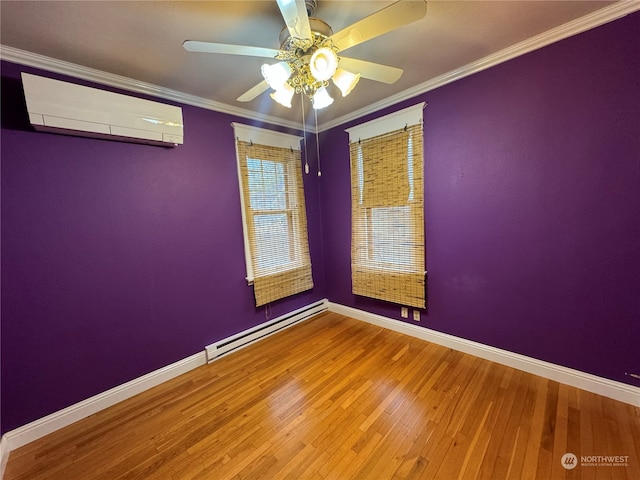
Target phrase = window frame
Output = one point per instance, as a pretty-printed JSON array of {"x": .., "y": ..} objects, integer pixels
[
  {"x": 377, "y": 277},
  {"x": 260, "y": 136},
  {"x": 290, "y": 213}
]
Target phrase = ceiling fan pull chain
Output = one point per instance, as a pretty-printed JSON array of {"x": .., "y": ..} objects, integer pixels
[
  {"x": 304, "y": 137},
  {"x": 315, "y": 112}
]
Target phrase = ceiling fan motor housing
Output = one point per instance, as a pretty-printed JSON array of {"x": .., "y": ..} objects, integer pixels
[
  {"x": 311, "y": 7},
  {"x": 318, "y": 29}
]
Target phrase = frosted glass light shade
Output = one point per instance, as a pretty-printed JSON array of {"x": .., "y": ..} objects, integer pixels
[
  {"x": 321, "y": 99},
  {"x": 283, "y": 95},
  {"x": 345, "y": 80},
  {"x": 323, "y": 64},
  {"x": 276, "y": 75}
]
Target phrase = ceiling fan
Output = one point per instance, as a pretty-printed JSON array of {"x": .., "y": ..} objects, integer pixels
[{"x": 308, "y": 55}]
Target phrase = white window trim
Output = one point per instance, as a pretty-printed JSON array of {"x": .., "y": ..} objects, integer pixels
[
  {"x": 394, "y": 121},
  {"x": 259, "y": 136}
]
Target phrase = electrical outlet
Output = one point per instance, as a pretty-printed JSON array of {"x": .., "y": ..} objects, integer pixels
[
  {"x": 404, "y": 312},
  {"x": 416, "y": 315}
]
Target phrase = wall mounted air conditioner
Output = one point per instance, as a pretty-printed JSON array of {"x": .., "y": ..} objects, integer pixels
[{"x": 71, "y": 109}]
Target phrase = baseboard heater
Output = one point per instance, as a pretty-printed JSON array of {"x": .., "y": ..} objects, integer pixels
[{"x": 244, "y": 338}]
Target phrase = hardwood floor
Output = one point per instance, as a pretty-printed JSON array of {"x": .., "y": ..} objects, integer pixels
[{"x": 336, "y": 398}]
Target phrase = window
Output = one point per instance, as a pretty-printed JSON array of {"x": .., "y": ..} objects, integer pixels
[
  {"x": 274, "y": 215},
  {"x": 387, "y": 250}
]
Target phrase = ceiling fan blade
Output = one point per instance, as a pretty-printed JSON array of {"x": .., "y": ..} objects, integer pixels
[
  {"x": 253, "y": 92},
  {"x": 389, "y": 18},
  {"x": 208, "y": 47},
  {"x": 295, "y": 16},
  {"x": 370, "y": 70}
]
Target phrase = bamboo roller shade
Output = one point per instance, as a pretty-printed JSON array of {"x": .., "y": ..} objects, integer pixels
[
  {"x": 387, "y": 198},
  {"x": 276, "y": 218}
]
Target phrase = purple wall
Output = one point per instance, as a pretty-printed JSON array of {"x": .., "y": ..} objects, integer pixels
[
  {"x": 532, "y": 181},
  {"x": 119, "y": 259}
]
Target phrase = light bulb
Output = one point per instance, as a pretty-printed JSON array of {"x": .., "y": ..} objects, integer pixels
[
  {"x": 345, "y": 80},
  {"x": 323, "y": 64},
  {"x": 321, "y": 99},
  {"x": 283, "y": 95},
  {"x": 276, "y": 75}
]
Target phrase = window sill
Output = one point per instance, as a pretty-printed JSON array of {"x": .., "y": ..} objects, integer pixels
[{"x": 290, "y": 268}]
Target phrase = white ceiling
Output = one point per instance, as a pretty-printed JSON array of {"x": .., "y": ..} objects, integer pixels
[{"x": 142, "y": 41}]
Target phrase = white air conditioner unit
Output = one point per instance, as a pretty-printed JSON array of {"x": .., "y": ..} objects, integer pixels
[{"x": 71, "y": 109}]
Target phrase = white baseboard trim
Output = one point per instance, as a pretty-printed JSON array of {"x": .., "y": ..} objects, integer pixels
[
  {"x": 39, "y": 428},
  {"x": 4, "y": 455},
  {"x": 62, "y": 418},
  {"x": 575, "y": 378}
]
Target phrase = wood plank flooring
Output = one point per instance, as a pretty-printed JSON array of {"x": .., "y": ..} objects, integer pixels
[{"x": 336, "y": 398}]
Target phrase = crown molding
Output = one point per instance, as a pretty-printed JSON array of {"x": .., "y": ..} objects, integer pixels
[
  {"x": 23, "y": 57},
  {"x": 569, "y": 29},
  {"x": 582, "y": 24}
]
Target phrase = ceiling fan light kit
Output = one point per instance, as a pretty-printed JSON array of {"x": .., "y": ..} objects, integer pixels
[
  {"x": 312, "y": 63},
  {"x": 284, "y": 95},
  {"x": 345, "y": 81},
  {"x": 321, "y": 99},
  {"x": 276, "y": 75},
  {"x": 323, "y": 64}
]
